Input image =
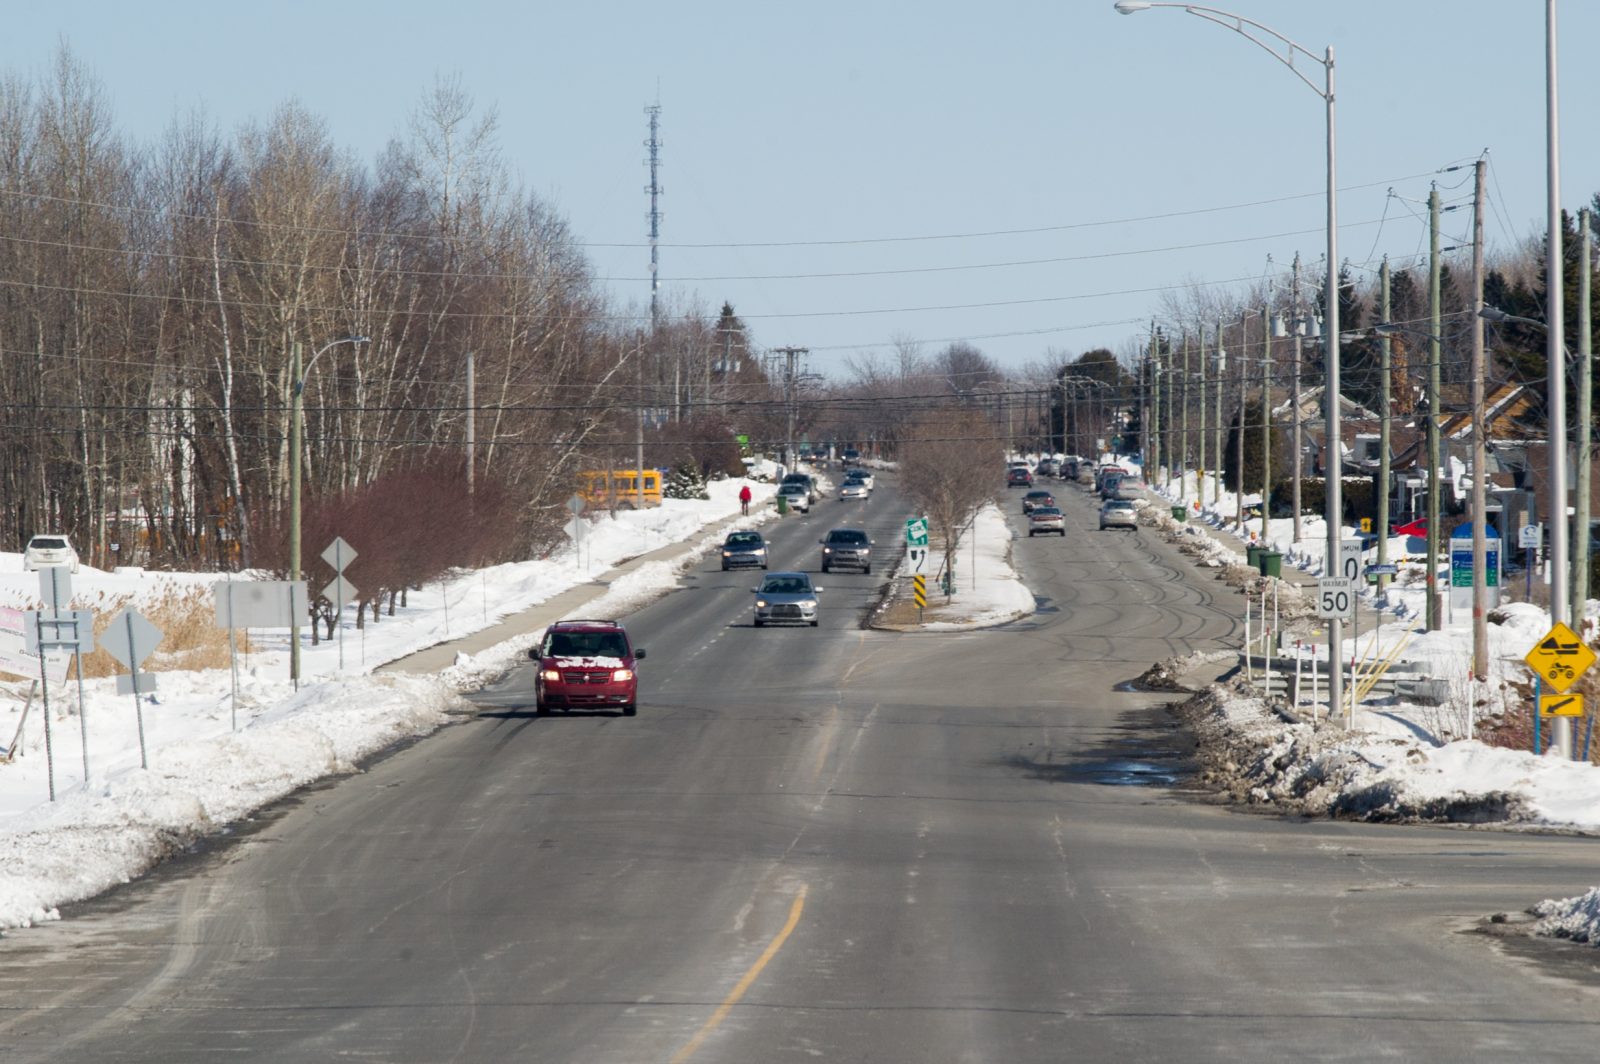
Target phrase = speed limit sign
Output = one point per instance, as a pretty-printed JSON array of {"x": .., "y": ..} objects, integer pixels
[{"x": 1335, "y": 599}]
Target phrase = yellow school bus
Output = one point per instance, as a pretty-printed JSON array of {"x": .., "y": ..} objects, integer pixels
[{"x": 619, "y": 488}]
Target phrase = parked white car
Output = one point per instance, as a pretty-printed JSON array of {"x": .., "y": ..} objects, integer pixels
[{"x": 49, "y": 552}]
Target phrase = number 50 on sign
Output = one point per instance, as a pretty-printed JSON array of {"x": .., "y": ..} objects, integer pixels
[{"x": 1335, "y": 600}]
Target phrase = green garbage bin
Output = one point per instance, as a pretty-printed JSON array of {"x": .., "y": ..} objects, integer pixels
[
  {"x": 1180, "y": 513},
  {"x": 1271, "y": 563},
  {"x": 1252, "y": 556},
  {"x": 783, "y": 505}
]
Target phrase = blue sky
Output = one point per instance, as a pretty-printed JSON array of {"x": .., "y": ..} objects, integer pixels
[{"x": 829, "y": 132}]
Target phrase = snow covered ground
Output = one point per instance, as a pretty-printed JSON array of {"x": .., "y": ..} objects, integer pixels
[
  {"x": 202, "y": 772},
  {"x": 1400, "y": 760},
  {"x": 988, "y": 589}
]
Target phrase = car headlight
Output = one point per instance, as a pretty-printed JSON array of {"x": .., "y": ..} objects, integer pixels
[
  {"x": 810, "y": 604},
  {"x": 761, "y": 551},
  {"x": 827, "y": 550},
  {"x": 550, "y": 674},
  {"x": 727, "y": 554},
  {"x": 622, "y": 674},
  {"x": 761, "y": 604}
]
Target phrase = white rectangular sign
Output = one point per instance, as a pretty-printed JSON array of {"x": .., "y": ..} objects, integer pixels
[
  {"x": 1336, "y": 598},
  {"x": 14, "y": 656},
  {"x": 261, "y": 604},
  {"x": 1349, "y": 559}
]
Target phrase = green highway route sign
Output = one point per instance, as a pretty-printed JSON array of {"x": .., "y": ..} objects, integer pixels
[{"x": 917, "y": 532}]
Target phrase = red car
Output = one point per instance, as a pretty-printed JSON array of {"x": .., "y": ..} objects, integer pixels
[{"x": 586, "y": 665}]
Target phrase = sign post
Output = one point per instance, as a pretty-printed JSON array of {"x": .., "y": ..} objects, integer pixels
[
  {"x": 339, "y": 554},
  {"x": 131, "y": 639},
  {"x": 1530, "y": 539}
]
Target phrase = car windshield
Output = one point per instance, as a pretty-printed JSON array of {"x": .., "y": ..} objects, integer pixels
[
  {"x": 1124, "y": 505},
  {"x": 587, "y": 645},
  {"x": 847, "y": 536},
  {"x": 744, "y": 539},
  {"x": 792, "y": 489},
  {"x": 785, "y": 585},
  {"x": 1046, "y": 511}
]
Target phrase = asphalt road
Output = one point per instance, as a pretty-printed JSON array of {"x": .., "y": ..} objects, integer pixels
[{"x": 830, "y": 844}]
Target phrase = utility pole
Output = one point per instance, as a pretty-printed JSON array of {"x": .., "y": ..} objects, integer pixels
[
  {"x": 472, "y": 424},
  {"x": 1297, "y": 441},
  {"x": 1238, "y": 437},
  {"x": 1222, "y": 377},
  {"x": 1266, "y": 420},
  {"x": 1555, "y": 352},
  {"x": 1385, "y": 403},
  {"x": 790, "y": 380},
  {"x": 1200, "y": 472},
  {"x": 1585, "y": 429},
  {"x": 1480, "y": 458},
  {"x": 1183, "y": 435},
  {"x": 1155, "y": 410},
  {"x": 1435, "y": 317},
  {"x": 1146, "y": 420}
]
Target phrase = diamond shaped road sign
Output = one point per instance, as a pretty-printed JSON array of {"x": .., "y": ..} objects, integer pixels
[
  {"x": 1559, "y": 658},
  {"x": 130, "y": 638},
  {"x": 340, "y": 592},
  {"x": 339, "y": 554}
]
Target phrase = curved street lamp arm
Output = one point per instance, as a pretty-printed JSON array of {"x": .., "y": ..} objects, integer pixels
[
  {"x": 1237, "y": 23},
  {"x": 300, "y": 385}
]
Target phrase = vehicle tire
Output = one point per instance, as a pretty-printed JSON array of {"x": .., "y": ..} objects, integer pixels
[
  {"x": 725, "y": 567},
  {"x": 763, "y": 566},
  {"x": 1063, "y": 533},
  {"x": 824, "y": 567},
  {"x": 866, "y": 570},
  {"x": 630, "y": 710},
  {"x": 759, "y": 622},
  {"x": 1030, "y": 531},
  {"x": 813, "y": 624},
  {"x": 540, "y": 709}
]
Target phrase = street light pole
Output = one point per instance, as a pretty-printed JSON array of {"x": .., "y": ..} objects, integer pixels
[
  {"x": 1333, "y": 463},
  {"x": 296, "y": 432},
  {"x": 1555, "y": 352}
]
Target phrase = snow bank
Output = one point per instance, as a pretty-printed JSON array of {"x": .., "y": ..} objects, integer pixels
[{"x": 1575, "y": 918}]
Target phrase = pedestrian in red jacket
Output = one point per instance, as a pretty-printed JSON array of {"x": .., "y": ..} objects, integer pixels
[{"x": 744, "y": 499}]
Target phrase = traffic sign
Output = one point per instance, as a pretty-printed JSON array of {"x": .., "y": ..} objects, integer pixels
[
  {"x": 919, "y": 590},
  {"x": 339, "y": 554},
  {"x": 130, "y": 638},
  {"x": 576, "y": 528},
  {"x": 340, "y": 592},
  {"x": 917, "y": 558},
  {"x": 575, "y": 504},
  {"x": 1560, "y": 657},
  {"x": 1350, "y": 559},
  {"x": 55, "y": 588},
  {"x": 1560, "y": 705},
  {"x": 1530, "y": 536},
  {"x": 1384, "y": 569},
  {"x": 1366, "y": 524},
  {"x": 917, "y": 532},
  {"x": 1335, "y": 598}
]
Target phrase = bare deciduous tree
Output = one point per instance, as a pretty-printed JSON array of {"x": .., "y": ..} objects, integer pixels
[{"x": 950, "y": 467}]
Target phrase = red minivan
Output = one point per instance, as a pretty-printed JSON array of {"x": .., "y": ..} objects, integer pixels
[{"x": 586, "y": 665}]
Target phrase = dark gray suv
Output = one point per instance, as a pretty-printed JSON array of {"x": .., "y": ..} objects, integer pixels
[{"x": 846, "y": 548}]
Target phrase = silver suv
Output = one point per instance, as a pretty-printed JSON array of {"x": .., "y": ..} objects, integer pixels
[{"x": 846, "y": 548}]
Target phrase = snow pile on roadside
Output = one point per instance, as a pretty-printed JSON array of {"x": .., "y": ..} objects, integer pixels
[
  {"x": 91, "y": 840},
  {"x": 1577, "y": 918},
  {"x": 990, "y": 592},
  {"x": 203, "y": 774},
  {"x": 1323, "y": 770}
]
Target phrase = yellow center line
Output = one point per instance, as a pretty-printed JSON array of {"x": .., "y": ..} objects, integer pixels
[{"x": 745, "y": 982}]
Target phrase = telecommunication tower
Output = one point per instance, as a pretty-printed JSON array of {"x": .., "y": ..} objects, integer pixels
[{"x": 655, "y": 190}]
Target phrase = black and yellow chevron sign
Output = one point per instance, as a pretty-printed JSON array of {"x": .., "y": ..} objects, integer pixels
[{"x": 919, "y": 590}]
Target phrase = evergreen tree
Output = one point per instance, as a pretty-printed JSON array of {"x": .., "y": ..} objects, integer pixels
[{"x": 686, "y": 482}]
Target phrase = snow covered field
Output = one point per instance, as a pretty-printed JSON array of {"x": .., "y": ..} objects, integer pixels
[{"x": 202, "y": 773}]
